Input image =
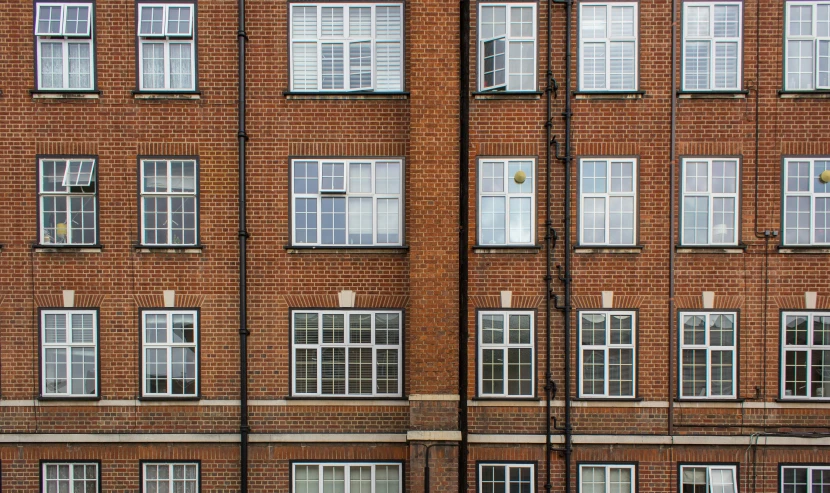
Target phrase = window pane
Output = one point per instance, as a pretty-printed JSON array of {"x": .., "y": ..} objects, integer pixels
[
  {"x": 151, "y": 20},
  {"x": 492, "y": 220},
  {"x": 333, "y": 220},
  {"x": 696, "y": 59},
  {"x": 593, "y": 220},
  {"x": 494, "y": 63},
  {"x": 181, "y": 68},
  {"x": 178, "y": 20},
  {"x": 304, "y": 22},
  {"x": 593, "y": 480},
  {"x": 333, "y": 65},
  {"x": 799, "y": 64},
  {"x": 695, "y": 220},
  {"x": 79, "y": 66},
  {"x": 593, "y": 65},
  {"x": 360, "y": 65},
  {"x": 51, "y": 65},
  {"x": 493, "y": 22},
  {"x": 726, "y": 65},
  {"x": 697, "y": 21},
  {"x": 492, "y": 329},
  {"x": 623, "y": 66},
  {"x": 304, "y": 66},
  {"x": 152, "y": 59},
  {"x": 593, "y": 21},
  {"x": 360, "y": 21},
  {"x": 360, "y": 220},
  {"x": 727, "y": 21},
  {"x": 593, "y": 329},
  {"x": 694, "y": 372},
  {"x": 332, "y": 21},
  {"x": 492, "y": 369},
  {"x": 520, "y": 220},
  {"x": 621, "y": 221},
  {"x": 49, "y": 20},
  {"x": 622, "y": 22}
]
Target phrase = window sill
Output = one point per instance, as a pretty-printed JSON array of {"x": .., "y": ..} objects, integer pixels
[
  {"x": 706, "y": 249},
  {"x": 608, "y": 399},
  {"x": 189, "y": 249},
  {"x": 68, "y": 399},
  {"x": 805, "y": 400},
  {"x": 712, "y": 94},
  {"x": 314, "y": 400},
  {"x": 377, "y": 250},
  {"x": 515, "y": 95},
  {"x": 38, "y": 248},
  {"x": 507, "y": 249},
  {"x": 809, "y": 250},
  {"x": 693, "y": 402},
  {"x": 617, "y": 250},
  {"x": 505, "y": 400},
  {"x": 784, "y": 94},
  {"x": 181, "y": 96},
  {"x": 609, "y": 95},
  {"x": 344, "y": 95},
  {"x": 189, "y": 398},
  {"x": 41, "y": 94}
]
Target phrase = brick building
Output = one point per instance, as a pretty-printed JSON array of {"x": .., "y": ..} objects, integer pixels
[{"x": 487, "y": 246}]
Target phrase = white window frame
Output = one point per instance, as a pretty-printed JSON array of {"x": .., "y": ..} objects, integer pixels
[
  {"x": 347, "y": 471},
  {"x": 505, "y": 346},
  {"x": 345, "y": 41},
  {"x": 606, "y": 348},
  {"x": 168, "y": 346},
  {"x": 814, "y": 166},
  {"x": 347, "y": 194},
  {"x": 508, "y": 37},
  {"x": 65, "y": 39},
  {"x": 706, "y": 346},
  {"x": 709, "y": 470},
  {"x": 70, "y": 480},
  {"x": 809, "y": 468},
  {"x": 607, "y": 196},
  {"x": 170, "y": 480},
  {"x": 813, "y": 38},
  {"x": 170, "y": 195},
  {"x": 711, "y": 195},
  {"x": 67, "y": 194},
  {"x": 607, "y": 41},
  {"x": 809, "y": 349},
  {"x": 167, "y": 39},
  {"x": 346, "y": 345},
  {"x": 68, "y": 345},
  {"x": 713, "y": 41},
  {"x": 508, "y": 466},
  {"x": 608, "y": 467},
  {"x": 507, "y": 180}
]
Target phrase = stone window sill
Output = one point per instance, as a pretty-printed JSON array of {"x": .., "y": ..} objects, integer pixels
[
  {"x": 707, "y": 249},
  {"x": 48, "y": 95},
  {"x": 809, "y": 250},
  {"x": 188, "y": 249},
  {"x": 344, "y": 95},
  {"x": 712, "y": 94},
  {"x": 609, "y": 95},
  {"x": 38, "y": 248},
  {"x": 784, "y": 94},
  {"x": 371, "y": 250},
  {"x": 507, "y": 249},
  {"x": 616, "y": 250},
  {"x": 515, "y": 95},
  {"x": 178, "y": 96}
]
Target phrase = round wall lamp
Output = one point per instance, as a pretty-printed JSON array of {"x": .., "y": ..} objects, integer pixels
[
  {"x": 825, "y": 176},
  {"x": 521, "y": 176}
]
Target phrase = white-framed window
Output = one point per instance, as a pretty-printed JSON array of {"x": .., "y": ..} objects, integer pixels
[
  {"x": 708, "y": 355},
  {"x": 69, "y": 353},
  {"x": 347, "y": 202},
  {"x": 65, "y": 46},
  {"x": 506, "y": 354},
  {"x": 507, "y": 47},
  {"x": 507, "y": 201},
  {"x": 608, "y": 201},
  {"x": 708, "y": 479},
  {"x": 170, "y": 476},
  {"x": 347, "y": 353},
  {"x": 169, "y": 201},
  {"x": 805, "y": 478},
  {"x": 69, "y": 477},
  {"x": 806, "y": 355},
  {"x": 710, "y": 201},
  {"x": 170, "y": 359},
  {"x": 608, "y": 46},
  {"x": 807, "y": 46},
  {"x": 347, "y": 47},
  {"x": 512, "y": 477},
  {"x": 712, "y": 46},
  {"x": 68, "y": 201},
  {"x": 347, "y": 477},
  {"x": 167, "y": 47},
  {"x": 607, "y": 354},
  {"x": 806, "y": 202},
  {"x": 607, "y": 478}
]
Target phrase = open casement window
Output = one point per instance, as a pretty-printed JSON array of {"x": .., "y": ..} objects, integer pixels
[
  {"x": 507, "y": 47},
  {"x": 347, "y": 202},
  {"x": 170, "y": 345},
  {"x": 710, "y": 201},
  {"x": 606, "y": 478},
  {"x": 506, "y": 201},
  {"x": 806, "y": 202},
  {"x": 807, "y": 46},
  {"x": 347, "y": 353},
  {"x": 806, "y": 355},
  {"x": 805, "y": 479},
  {"x": 64, "y": 46},
  {"x": 708, "y": 355},
  {"x": 506, "y": 359},
  {"x": 158, "y": 477},
  {"x": 608, "y": 202},
  {"x": 708, "y": 479},
  {"x": 359, "y": 477},
  {"x": 607, "y": 47},
  {"x": 513, "y": 478},
  {"x": 169, "y": 202},
  {"x": 68, "y": 200},
  {"x": 347, "y": 47},
  {"x": 607, "y": 354},
  {"x": 712, "y": 46},
  {"x": 166, "y": 44},
  {"x": 69, "y": 477},
  {"x": 69, "y": 358}
]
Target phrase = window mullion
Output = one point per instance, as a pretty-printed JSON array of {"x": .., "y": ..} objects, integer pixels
[{"x": 167, "y": 76}]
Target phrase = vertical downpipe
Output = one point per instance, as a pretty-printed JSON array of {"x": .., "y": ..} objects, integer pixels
[
  {"x": 568, "y": 115},
  {"x": 463, "y": 223},
  {"x": 548, "y": 248},
  {"x": 244, "y": 429},
  {"x": 673, "y": 199}
]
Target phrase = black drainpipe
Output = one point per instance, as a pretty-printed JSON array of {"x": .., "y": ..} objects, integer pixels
[
  {"x": 463, "y": 223},
  {"x": 244, "y": 429},
  {"x": 549, "y": 238},
  {"x": 568, "y": 116},
  {"x": 673, "y": 200}
]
